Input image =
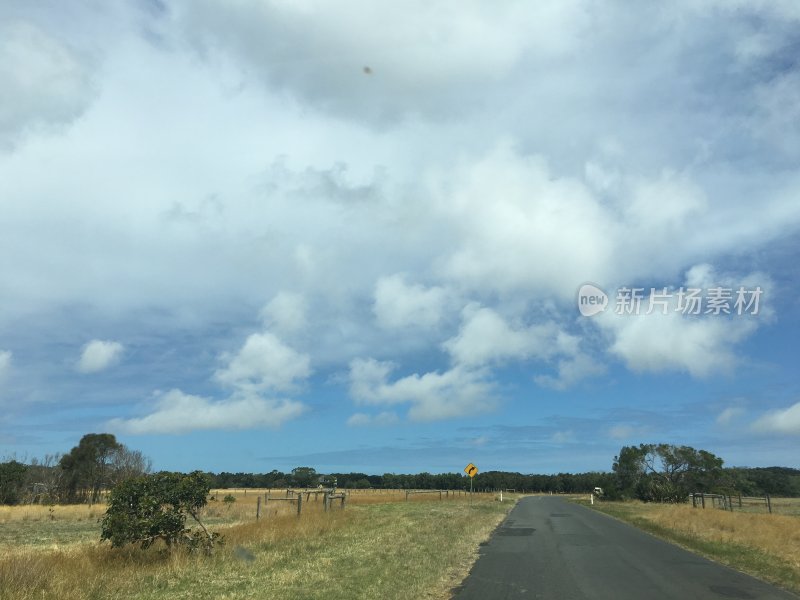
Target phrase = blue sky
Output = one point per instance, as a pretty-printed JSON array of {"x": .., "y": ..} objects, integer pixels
[{"x": 261, "y": 235}]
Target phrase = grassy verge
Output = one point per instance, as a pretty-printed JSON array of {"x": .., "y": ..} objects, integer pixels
[
  {"x": 765, "y": 546},
  {"x": 418, "y": 549}
]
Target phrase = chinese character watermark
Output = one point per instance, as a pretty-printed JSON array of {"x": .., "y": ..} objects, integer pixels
[{"x": 686, "y": 301}]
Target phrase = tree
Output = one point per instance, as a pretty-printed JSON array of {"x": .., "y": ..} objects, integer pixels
[
  {"x": 144, "y": 509},
  {"x": 304, "y": 476},
  {"x": 664, "y": 472},
  {"x": 98, "y": 462},
  {"x": 12, "y": 481},
  {"x": 86, "y": 466}
]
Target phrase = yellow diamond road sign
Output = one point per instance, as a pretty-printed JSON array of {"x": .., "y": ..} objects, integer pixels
[{"x": 471, "y": 470}]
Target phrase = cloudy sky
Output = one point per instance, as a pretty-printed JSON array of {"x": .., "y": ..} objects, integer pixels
[{"x": 254, "y": 235}]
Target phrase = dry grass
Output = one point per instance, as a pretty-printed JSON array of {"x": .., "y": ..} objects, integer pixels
[
  {"x": 377, "y": 547},
  {"x": 764, "y": 545}
]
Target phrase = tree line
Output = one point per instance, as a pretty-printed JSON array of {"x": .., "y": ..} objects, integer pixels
[
  {"x": 95, "y": 465},
  {"x": 649, "y": 472}
]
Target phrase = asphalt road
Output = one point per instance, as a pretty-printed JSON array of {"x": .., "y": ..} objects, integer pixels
[{"x": 550, "y": 548}]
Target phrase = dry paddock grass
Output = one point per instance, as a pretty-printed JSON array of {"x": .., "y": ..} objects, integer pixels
[
  {"x": 380, "y": 546},
  {"x": 764, "y": 545}
]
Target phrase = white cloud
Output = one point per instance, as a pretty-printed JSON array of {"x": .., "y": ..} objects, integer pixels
[
  {"x": 285, "y": 313},
  {"x": 729, "y": 414},
  {"x": 786, "y": 421},
  {"x": 264, "y": 363},
  {"x": 177, "y": 412},
  {"x": 700, "y": 345},
  {"x": 514, "y": 231},
  {"x": 432, "y": 396},
  {"x": 421, "y": 59},
  {"x": 399, "y": 304},
  {"x": 99, "y": 355},
  {"x": 485, "y": 337},
  {"x": 42, "y": 82},
  {"x": 382, "y": 419},
  {"x": 5, "y": 363},
  {"x": 571, "y": 371}
]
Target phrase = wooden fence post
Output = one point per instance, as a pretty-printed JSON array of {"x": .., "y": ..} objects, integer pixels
[
  {"x": 299, "y": 504},
  {"x": 258, "y": 508},
  {"x": 703, "y": 499},
  {"x": 769, "y": 505}
]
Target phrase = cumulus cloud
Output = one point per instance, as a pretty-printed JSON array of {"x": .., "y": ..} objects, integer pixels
[
  {"x": 570, "y": 371},
  {"x": 514, "y": 234},
  {"x": 285, "y": 313},
  {"x": 381, "y": 419},
  {"x": 785, "y": 421},
  {"x": 432, "y": 396},
  {"x": 399, "y": 304},
  {"x": 177, "y": 412},
  {"x": 661, "y": 338},
  {"x": 264, "y": 363},
  {"x": 99, "y": 355},
  {"x": 263, "y": 366},
  {"x": 485, "y": 337},
  {"x": 42, "y": 82},
  {"x": 432, "y": 69}
]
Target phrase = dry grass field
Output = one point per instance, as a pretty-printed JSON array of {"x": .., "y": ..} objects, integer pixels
[
  {"x": 764, "y": 545},
  {"x": 379, "y": 546}
]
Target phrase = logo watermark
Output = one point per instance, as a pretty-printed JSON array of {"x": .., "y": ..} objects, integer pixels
[
  {"x": 591, "y": 300},
  {"x": 687, "y": 301}
]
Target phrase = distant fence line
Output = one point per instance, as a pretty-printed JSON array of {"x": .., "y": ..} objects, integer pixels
[{"x": 729, "y": 502}]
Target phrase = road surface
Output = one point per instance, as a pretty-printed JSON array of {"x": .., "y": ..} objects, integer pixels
[{"x": 550, "y": 548}]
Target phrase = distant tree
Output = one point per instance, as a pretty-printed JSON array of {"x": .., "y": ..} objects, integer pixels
[
  {"x": 126, "y": 464},
  {"x": 12, "y": 481},
  {"x": 304, "y": 476},
  {"x": 145, "y": 509},
  {"x": 86, "y": 466},
  {"x": 664, "y": 472},
  {"x": 97, "y": 463}
]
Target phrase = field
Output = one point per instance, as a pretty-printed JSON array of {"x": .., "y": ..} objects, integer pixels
[
  {"x": 379, "y": 546},
  {"x": 766, "y": 546}
]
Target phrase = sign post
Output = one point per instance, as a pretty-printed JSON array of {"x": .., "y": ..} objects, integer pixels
[{"x": 470, "y": 470}]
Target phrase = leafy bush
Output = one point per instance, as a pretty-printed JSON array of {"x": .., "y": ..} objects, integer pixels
[{"x": 152, "y": 507}]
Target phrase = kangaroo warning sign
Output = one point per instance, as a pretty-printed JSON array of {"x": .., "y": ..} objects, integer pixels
[{"x": 471, "y": 470}]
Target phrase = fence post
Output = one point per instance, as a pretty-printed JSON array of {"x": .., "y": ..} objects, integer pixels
[
  {"x": 325, "y": 502},
  {"x": 299, "y": 504},
  {"x": 258, "y": 508},
  {"x": 740, "y": 501},
  {"x": 440, "y": 495},
  {"x": 703, "y": 499},
  {"x": 769, "y": 505},
  {"x": 344, "y": 499}
]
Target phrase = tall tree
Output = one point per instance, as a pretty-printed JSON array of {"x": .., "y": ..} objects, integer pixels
[
  {"x": 86, "y": 467},
  {"x": 12, "y": 481}
]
